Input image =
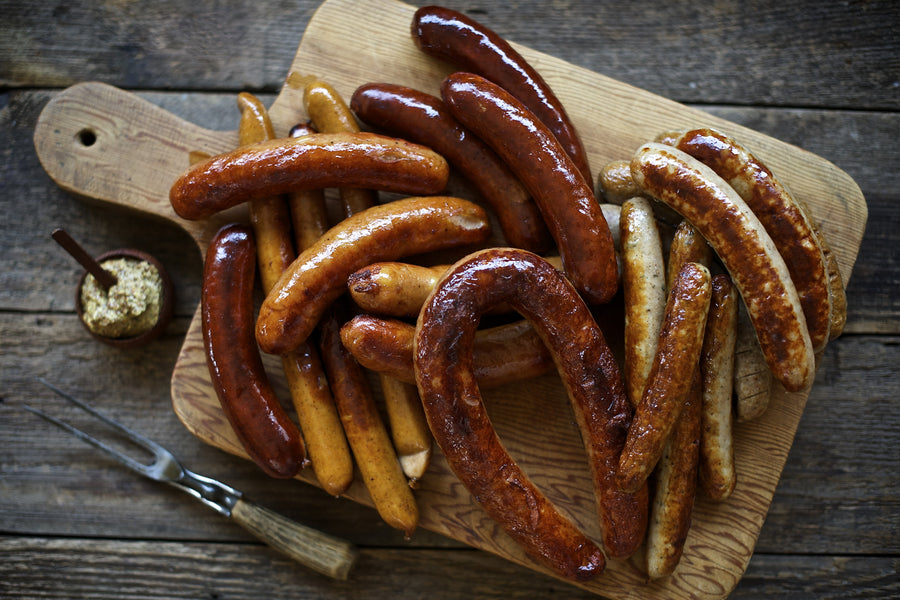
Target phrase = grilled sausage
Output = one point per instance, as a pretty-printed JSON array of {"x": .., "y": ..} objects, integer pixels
[
  {"x": 423, "y": 119},
  {"x": 445, "y": 337},
  {"x": 409, "y": 429},
  {"x": 644, "y": 291},
  {"x": 462, "y": 41},
  {"x": 267, "y": 434},
  {"x": 385, "y": 232},
  {"x": 745, "y": 249},
  {"x": 677, "y": 356},
  {"x": 502, "y": 354},
  {"x": 782, "y": 217},
  {"x": 566, "y": 201},
  {"x": 310, "y": 162}
]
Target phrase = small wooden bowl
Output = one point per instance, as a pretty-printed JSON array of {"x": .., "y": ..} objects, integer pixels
[{"x": 166, "y": 309}]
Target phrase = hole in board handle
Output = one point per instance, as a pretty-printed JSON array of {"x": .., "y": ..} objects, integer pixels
[{"x": 87, "y": 137}]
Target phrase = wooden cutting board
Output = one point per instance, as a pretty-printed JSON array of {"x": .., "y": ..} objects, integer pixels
[{"x": 106, "y": 144}]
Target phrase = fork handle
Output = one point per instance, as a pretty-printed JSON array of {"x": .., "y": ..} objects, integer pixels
[{"x": 319, "y": 551}]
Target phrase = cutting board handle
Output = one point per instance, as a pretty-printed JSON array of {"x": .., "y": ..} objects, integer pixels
[{"x": 103, "y": 143}]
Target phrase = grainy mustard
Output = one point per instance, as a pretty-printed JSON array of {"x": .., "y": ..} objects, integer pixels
[{"x": 130, "y": 307}]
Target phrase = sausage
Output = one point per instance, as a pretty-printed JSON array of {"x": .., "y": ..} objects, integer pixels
[
  {"x": 566, "y": 201},
  {"x": 309, "y": 213},
  {"x": 677, "y": 356},
  {"x": 400, "y": 289},
  {"x": 717, "y": 474},
  {"x": 443, "y": 358},
  {"x": 309, "y": 162},
  {"x": 615, "y": 185},
  {"x": 366, "y": 433},
  {"x": 424, "y": 119},
  {"x": 462, "y": 41},
  {"x": 330, "y": 114},
  {"x": 502, "y": 354},
  {"x": 409, "y": 429},
  {"x": 687, "y": 246},
  {"x": 675, "y": 489},
  {"x": 325, "y": 442},
  {"x": 783, "y": 218},
  {"x": 745, "y": 249},
  {"x": 385, "y": 232},
  {"x": 266, "y": 433},
  {"x": 644, "y": 292}
]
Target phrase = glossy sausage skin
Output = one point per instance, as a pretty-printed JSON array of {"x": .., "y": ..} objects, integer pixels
[
  {"x": 567, "y": 202},
  {"x": 502, "y": 354},
  {"x": 424, "y": 119},
  {"x": 235, "y": 366},
  {"x": 445, "y": 337},
  {"x": 462, "y": 41},
  {"x": 783, "y": 218},
  {"x": 385, "y": 232},
  {"x": 319, "y": 160},
  {"x": 744, "y": 247},
  {"x": 677, "y": 356}
]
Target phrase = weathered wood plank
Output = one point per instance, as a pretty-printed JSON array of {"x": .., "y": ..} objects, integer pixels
[
  {"x": 79, "y": 568},
  {"x": 840, "y": 55}
]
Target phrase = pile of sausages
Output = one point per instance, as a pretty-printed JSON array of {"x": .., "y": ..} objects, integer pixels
[{"x": 725, "y": 280}]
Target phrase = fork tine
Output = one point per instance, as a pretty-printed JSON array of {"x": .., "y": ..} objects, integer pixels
[{"x": 147, "y": 470}]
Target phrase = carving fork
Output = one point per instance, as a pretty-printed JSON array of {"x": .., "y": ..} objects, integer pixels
[{"x": 317, "y": 550}]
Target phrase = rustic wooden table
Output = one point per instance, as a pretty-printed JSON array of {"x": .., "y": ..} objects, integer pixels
[{"x": 825, "y": 77}]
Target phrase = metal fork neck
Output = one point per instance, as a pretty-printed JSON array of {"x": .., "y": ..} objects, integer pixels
[{"x": 213, "y": 493}]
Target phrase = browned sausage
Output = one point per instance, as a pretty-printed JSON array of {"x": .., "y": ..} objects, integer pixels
[
  {"x": 445, "y": 338},
  {"x": 744, "y": 247},
  {"x": 783, "y": 218},
  {"x": 462, "y": 41},
  {"x": 385, "y": 232},
  {"x": 677, "y": 356},
  {"x": 311, "y": 397},
  {"x": 424, "y": 119},
  {"x": 330, "y": 114},
  {"x": 309, "y": 213},
  {"x": 235, "y": 366},
  {"x": 675, "y": 490},
  {"x": 566, "y": 201},
  {"x": 717, "y": 474},
  {"x": 502, "y": 354},
  {"x": 310, "y": 162},
  {"x": 369, "y": 440}
]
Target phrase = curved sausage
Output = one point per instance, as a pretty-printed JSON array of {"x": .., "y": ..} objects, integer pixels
[
  {"x": 784, "y": 220},
  {"x": 567, "y": 202},
  {"x": 744, "y": 247},
  {"x": 385, "y": 232},
  {"x": 316, "y": 161},
  {"x": 502, "y": 354},
  {"x": 458, "y": 39},
  {"x": 267, "y": 434},
  {"x": 445, "y": 337},
  {"x": 644, "y": 292},
  {"x": 330, "y": 114},
  {"x": 424, "y": 119},
  {"x": 677, "y": 356}
]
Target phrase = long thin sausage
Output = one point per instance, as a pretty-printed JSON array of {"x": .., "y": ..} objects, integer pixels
[
  {"x": 385, "y": 232},
  {"x": 744, "y": 247},
  {"x": 567, "y": 202},
  {"x": 315, "y": 161},
  {"x": 445, "y": 336},
  {"x": 456, "y": 38}
]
